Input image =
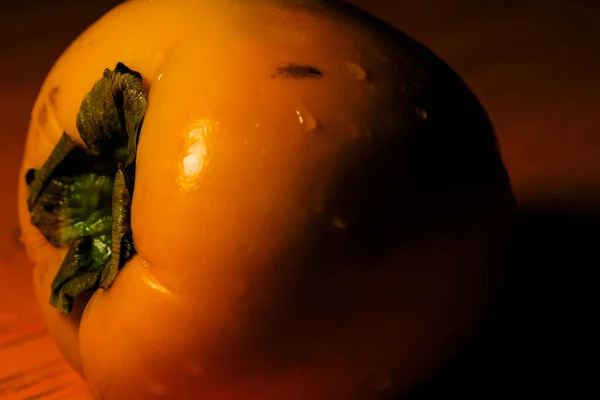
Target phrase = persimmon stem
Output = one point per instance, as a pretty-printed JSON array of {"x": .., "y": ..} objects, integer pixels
[{"x": 81, "y": 197}]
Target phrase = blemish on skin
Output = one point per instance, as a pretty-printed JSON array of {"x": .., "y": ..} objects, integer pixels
[
  {"x": 297, "y": 71},
  {"x": 86, "y": 42},
  {"x": 52, "y": 97},
  {"x": 42, "y": 118}
]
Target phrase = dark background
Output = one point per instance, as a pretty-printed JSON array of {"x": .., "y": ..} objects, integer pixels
[{"x": 534, "y": 65}]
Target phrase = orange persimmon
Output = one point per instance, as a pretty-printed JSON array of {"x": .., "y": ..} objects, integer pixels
[{"x": 319, "y": 208}]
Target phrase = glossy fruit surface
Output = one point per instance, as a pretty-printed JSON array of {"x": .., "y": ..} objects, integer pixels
[{"x": 318, "y": 212}]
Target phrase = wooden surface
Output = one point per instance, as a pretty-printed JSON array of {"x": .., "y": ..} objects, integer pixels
[{"x": 534, "y": 66}]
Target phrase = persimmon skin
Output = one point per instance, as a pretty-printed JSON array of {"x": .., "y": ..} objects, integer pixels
[{"x": 318, "y": 237}]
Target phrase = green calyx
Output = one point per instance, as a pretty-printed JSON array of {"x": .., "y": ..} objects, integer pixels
[{"x": 81, "y": 197}]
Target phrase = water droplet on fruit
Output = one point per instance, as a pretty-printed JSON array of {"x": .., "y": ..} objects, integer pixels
[
  {"x": 307, "y": 120},
  {"x": 339, "y": 223},
  {"x": 159, "y": 77},
  {"x": 356, "y": 70}
]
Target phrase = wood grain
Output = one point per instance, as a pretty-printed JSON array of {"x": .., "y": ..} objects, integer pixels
[{"x": 534, "y": 66}]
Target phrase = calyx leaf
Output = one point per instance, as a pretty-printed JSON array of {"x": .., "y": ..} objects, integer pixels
[{"x": 81, "y": 197}]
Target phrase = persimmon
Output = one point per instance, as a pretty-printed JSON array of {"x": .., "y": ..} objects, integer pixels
[{"x": 258, "y": 200}]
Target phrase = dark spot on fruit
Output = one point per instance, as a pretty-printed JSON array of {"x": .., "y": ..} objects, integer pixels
[
  {"x": 299, "y": 71},
  {"x": 43, "y": 116},
  {"x": 52, "y": 96},
  {"x": 30, "y": 176}
]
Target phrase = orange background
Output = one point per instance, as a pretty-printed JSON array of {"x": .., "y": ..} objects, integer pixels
[{"x": 534, "y": 65}]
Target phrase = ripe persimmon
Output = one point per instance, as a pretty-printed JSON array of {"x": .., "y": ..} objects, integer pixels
[{"x": 297, "y": 201}]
